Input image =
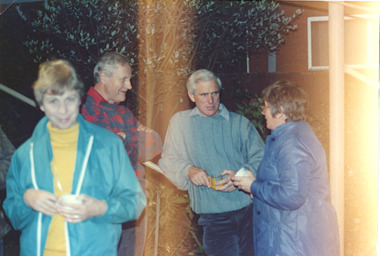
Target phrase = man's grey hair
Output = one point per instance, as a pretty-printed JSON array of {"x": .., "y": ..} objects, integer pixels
[
  {"x": 108, "y": 63},
  {"x": 199, "y": 76}
]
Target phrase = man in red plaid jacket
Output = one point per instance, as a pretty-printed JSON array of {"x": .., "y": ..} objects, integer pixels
[{"x": 102, "y": 106}]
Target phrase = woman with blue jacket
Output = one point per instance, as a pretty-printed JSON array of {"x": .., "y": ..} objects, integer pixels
[
  {"x": 293, "y": 214},
  {"x": 71, "y": 185}
]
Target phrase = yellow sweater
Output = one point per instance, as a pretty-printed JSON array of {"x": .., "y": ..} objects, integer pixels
[{"x": 64, "y": 145}]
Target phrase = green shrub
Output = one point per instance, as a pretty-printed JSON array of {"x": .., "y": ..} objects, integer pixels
[{"x": 250, "y": 106}]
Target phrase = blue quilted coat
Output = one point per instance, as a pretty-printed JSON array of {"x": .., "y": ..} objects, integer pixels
[{"x": 293, "y": 214}]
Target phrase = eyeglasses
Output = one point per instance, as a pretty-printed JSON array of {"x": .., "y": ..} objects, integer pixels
[{"x": 263, "y": 107}]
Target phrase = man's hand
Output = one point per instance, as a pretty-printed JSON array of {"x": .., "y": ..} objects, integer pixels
[
  {"x": 122, "y": 135},
  {"x": 228, "y": 186},
  {"x": 198, "y": 176},
  {"x": 142, "y": 128},
  {"x": 75, "y": 213},
  {"x": 244, "y": 182},
  {"x": 41, "y": 201}
]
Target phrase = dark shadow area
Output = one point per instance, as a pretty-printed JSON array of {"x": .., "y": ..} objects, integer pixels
[{"x": 17, "y": 120}]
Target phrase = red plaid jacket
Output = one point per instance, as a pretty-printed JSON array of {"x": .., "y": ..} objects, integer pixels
[{"x": 140, "y": 146}]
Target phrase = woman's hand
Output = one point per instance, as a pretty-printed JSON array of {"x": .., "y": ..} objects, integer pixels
[
  {"x": 41, "y": 201},
  {"x": 75, "y": 213},
  {"x": 244, "y": 182},
  {"x": 228, "y": 186}
]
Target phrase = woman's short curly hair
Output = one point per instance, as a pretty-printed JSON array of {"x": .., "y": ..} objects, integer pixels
[
  {"x": 285, "y": 97},
  {"x": 55, "y": 77}
]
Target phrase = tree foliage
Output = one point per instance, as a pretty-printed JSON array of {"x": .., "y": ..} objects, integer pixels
[
  {"x": 227, "y": 31},
  {"x": 81, "y": 31},
  {"x": 219, "y": 36}
]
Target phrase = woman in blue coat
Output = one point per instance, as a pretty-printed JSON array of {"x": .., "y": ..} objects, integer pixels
[
  {"x": 293, "y": 214},
  {"x": 71, "y": 185}
]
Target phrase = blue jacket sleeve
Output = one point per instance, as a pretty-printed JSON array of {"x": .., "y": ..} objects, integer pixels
[
  {"x": 127, "y": 200},
  {"x": 14, "y": 205},
  {"x": 293, "y": 165}
]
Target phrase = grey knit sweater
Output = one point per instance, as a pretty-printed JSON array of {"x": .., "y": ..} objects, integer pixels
[{"x": 226, "y": 141}]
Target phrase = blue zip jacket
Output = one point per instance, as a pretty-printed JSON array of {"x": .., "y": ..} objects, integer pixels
[
  {"x": 293, "y": 214},
  {"x": 107, "y": 175}
]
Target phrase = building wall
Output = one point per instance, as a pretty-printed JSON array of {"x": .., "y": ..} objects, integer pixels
[{"x": 292, "y": 55}]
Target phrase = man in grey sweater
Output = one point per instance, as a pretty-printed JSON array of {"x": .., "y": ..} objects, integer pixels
[{"x": 209, "y": 141}]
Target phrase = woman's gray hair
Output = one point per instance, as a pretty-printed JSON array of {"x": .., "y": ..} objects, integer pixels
[
  {"x": 108, "y": 63},
  {"x": 199, "y": 76}
]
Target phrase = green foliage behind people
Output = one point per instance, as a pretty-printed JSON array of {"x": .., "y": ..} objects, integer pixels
[
  {"x": 81, "y": 31},
  {"x": 222, "y": 34}
]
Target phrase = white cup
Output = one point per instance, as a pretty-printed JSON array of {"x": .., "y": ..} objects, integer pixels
[
  {"x": 242, "y": 172},
  {"x": 72, "y": 199}
]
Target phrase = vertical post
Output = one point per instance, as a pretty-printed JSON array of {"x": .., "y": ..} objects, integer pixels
[
  {"x": 378, "y": 184},
  {"x": 247, "y": 47},
  {"x": 164, "y": 60},
  {"x": 272, "y": 62},
  {"x": 336, "y": 101}
]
